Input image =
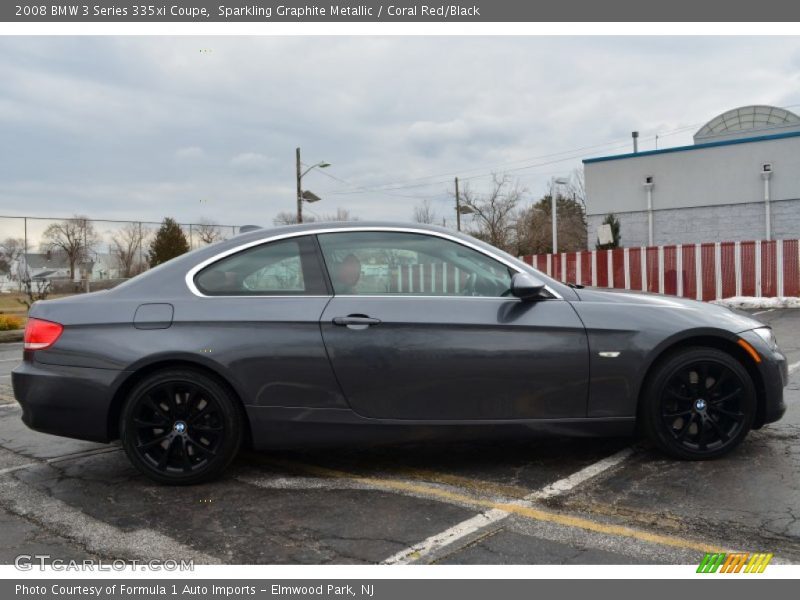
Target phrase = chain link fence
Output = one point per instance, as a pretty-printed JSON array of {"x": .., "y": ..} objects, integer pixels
[{"x": 73, "y": 255}]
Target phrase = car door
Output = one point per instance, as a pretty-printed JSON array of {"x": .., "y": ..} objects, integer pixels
[
  {"x": 260, "y": 314},
  {"x": 423, "y": 327}
]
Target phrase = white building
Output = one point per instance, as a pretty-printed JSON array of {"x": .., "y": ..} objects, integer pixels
[{"x": 739, "y": 181}]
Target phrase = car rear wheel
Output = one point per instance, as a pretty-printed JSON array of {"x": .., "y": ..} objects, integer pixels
[
  {"x": 181, "y": 427},
  {"x": 699, "y": 404}
]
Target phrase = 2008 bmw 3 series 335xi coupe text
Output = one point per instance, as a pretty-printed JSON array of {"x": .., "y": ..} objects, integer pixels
[{"x": 322, "y": 332}]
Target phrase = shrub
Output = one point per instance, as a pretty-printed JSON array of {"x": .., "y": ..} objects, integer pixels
[{"x": 9, "y": 322}]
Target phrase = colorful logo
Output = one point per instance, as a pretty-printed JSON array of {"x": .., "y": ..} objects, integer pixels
[{"x": 734, "y": 563}]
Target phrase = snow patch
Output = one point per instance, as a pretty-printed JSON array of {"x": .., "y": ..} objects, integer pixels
[{"x": 755, "y": 302}]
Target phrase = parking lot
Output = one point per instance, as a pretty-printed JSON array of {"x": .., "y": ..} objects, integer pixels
[{"x": 542, "y": 500}]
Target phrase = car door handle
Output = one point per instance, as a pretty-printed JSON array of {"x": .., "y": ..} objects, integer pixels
[{"x": 355, "y": 321}]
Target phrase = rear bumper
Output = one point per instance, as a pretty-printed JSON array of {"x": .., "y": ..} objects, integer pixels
[{"x": 67, "y": 401}]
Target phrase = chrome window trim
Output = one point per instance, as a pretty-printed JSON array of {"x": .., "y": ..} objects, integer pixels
[{"x": 190, "y": 275}]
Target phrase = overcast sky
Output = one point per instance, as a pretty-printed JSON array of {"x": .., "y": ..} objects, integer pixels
[{"x": 188, "y": 127}]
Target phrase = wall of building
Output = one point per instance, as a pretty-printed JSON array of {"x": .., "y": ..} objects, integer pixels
[
  {"x": 729, "y": 174},
  {"x": 705, "y": 194},
  {"x": 724, "y": 223}
]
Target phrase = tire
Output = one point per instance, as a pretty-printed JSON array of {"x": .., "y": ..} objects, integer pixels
[
  {"x": 181, "y": 427},
  {"x": 698, "y": 404}
]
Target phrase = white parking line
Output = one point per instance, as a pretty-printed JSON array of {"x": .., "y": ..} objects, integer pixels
[
  {"x": 95, "y": 536},
  {"x": 762, "y": 312},
  {"x": 793, "y": 367},
  {"x": 489, "y": 517}
]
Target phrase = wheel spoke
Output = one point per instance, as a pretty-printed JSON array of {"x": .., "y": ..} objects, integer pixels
[
  {"x": 703, "y": 378},
  {"x": 156, "y": 408},
  {"x": 153, "y": 442},
  {"x": 208, "y": 428},
  {"x": 142, "y": 424},
  {"x": 724, "y": 399},
  {"x": 173, "y": 405},
  {"x": 718, "y": 383},
  {"x": 723, "y": 436},
  {"x": 202, "y": 413},
  {"x": 701, "y": 434},
  {"x": 728, "y": 413},
  {"x": 204, "y": 449},
  {"x": 675, "y": 394},
  {"x": 162, "y": 463},
  {"x": 192, "y": 399},
  {"x": 187, "y": 463},
  {"x": 685, "y": 429},
  {"x": 675, "y": 415}
]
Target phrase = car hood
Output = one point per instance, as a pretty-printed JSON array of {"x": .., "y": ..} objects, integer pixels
[{"x": 718, "y": 316}]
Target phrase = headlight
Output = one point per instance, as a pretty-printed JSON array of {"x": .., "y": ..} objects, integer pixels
[{"x": 765, "y": 333}]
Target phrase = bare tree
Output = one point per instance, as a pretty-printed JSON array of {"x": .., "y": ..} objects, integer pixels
[
  {"x": 341, "y": 214},
  {"x": 494, "y": 212},
  {"x": 11, "y": 250},
  {"x": 74, "y": 237},
  {"x": 424, "y": 213},
  {"x": 126, "y": 248},
  {"x": 534, "y": 226},
  {"x": 290, "y": 218},
  {"x": 208, "y": 232},
  {"x": 576, "y": 188}
]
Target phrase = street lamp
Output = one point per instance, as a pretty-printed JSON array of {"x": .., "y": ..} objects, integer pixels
[
  {"x": 307, "y": 195},
  {"x": 556, "y": 182},
  {"x": 461, "y": 209}
]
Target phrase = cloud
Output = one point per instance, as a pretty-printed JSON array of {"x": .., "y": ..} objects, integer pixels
[
  {"x": 127, "y": 126},
  {"x": 250, "y": 161},
  {"x": 190, "y": 153}
]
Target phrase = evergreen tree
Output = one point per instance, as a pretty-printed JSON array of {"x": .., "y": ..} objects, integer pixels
[
  {"x": 612, "y": 220},
  {"x": 168, "y": 243}
]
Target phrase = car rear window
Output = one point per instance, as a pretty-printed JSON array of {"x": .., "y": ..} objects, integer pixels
[{"x": 284, "y": 267}]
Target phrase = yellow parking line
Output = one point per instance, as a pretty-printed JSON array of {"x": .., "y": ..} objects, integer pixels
[
  {"x": 510, "y": 507},
  {"x": 477, "y": 485}
]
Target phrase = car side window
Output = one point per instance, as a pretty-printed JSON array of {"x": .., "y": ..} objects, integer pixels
[
  {"x": 380, "y": 262},
  {"x": 284, "y": 267}
]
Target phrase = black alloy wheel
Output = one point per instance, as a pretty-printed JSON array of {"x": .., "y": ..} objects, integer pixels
[
  {"x": 700, "y": 404},
  {"x": 181, "y": 427}
]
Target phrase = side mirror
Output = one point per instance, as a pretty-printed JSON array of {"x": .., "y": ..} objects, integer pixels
[{"x": 526, "y": 286}]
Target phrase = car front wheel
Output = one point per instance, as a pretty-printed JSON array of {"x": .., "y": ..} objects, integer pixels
[
  {"x": 700, "y": 403},
  {"x": 181, "y": 427}
]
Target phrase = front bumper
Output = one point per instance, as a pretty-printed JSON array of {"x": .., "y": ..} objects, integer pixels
[
  {"x": 67, "y": 401},
  {"x": 774, "y": 372}
]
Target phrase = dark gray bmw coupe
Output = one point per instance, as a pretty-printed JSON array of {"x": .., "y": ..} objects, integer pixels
[{"x": 326, "y": 331}]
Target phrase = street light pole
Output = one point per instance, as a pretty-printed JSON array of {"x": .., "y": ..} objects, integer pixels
[
  {"x": 300, "y": 174},
  {"x": 458, "y": 208},
  {"x": 554, "y": 211},
  {"x": 299, "y": 189}
]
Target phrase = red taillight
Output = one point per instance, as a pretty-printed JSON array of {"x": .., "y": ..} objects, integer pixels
[{"x": 41, "y": 334}]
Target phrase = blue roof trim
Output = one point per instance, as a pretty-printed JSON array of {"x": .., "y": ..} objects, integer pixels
[{"x": 761, "y": 138}]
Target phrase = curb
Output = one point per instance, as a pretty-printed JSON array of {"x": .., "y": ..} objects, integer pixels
[{"x": 14, "y": 335}]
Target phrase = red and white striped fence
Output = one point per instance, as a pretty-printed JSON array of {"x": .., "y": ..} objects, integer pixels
[{"x": 702, "y": 271}]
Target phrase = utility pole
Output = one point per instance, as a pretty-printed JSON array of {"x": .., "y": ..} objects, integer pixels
[
  {"x": 299, "y": 190},
  {"x": 458, "y": 208}
]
